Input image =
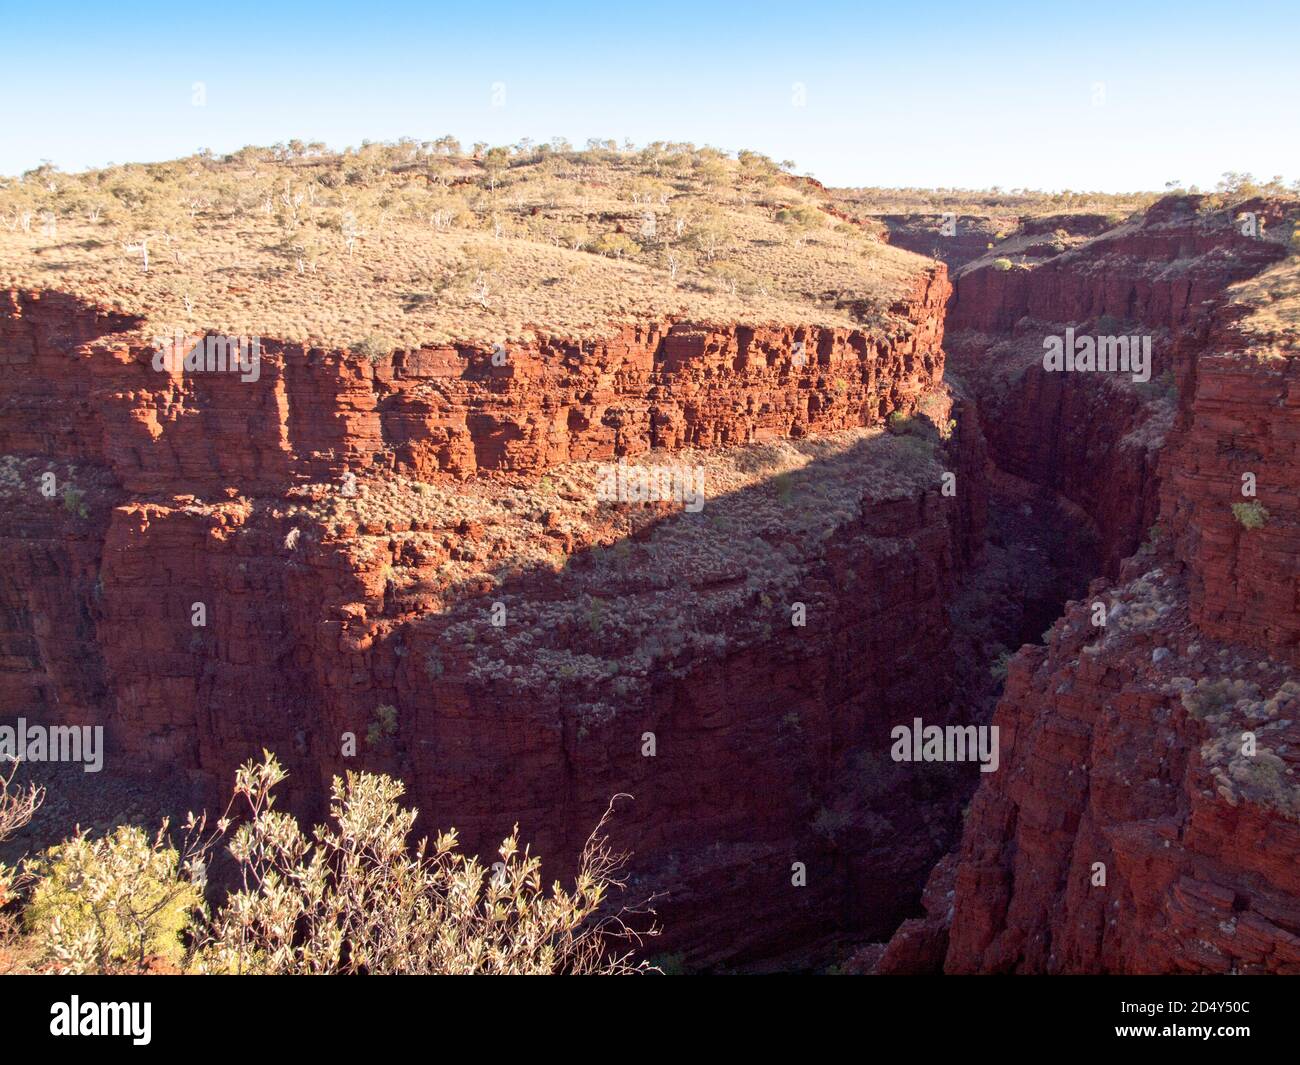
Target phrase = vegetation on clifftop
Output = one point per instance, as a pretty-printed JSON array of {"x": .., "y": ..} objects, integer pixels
[{"x": 403, "y": 244}]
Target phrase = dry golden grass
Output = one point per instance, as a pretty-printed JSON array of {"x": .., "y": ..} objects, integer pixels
[
  {"x": 1008, "y": 206},
  {"x": 1273, "y": 301},
  {"x": 408, "y": 245}
]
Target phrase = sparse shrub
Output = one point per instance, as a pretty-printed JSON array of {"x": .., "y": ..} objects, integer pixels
[
  {"x": 74, "y": 501},
  {"x": 803, "y": 217},
  {"x": 383, "y": 725},
  {"x": 104, "y": 905},
  {"x": 433, "y": 663},
  {"x": 898, "y": 422},
  {"x": 1001, "y": 666},
  {"x": 17, "y": 805},
  {"x": 1266, "y": 779},
  {"x": 617, "y": 245},
  {"x": 1211, "y": 697},
  {"x": 375, "y": 347},
  {"x": 925, "y": 426},
  {"x": 732, "y": 276},
  {"x": 356, "y": 899},
  {"x": 353, "y": 897},
  {"x": 1252, "y": 515}
]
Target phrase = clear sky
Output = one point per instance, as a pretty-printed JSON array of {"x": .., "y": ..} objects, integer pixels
[{"x": 1094, "y": 95}]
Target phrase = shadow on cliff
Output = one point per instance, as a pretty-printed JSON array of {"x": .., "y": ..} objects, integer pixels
[{"x": 738, "y": 671}]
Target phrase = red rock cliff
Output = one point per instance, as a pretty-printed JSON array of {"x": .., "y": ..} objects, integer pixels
[
  {"x": 1146, "y": 815},
  {"x": 618, "y": 623}
]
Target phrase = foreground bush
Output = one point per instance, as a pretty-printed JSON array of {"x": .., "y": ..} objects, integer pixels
[
  {"x": 111, "y": 904},
  {"x": 17, "y": 805},
  {"x": 354, "y": 897}
]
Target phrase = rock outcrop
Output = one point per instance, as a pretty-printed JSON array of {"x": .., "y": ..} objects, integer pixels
[{"x": 83, "y": 386}]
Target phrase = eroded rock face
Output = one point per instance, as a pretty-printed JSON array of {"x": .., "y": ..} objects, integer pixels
[
  {"x": 1159, "y": 269},
  {"x": 642, "y": 649},
  {"x": 1239, "y": 430},
  {"x": 1145, "y": 818},
  {"x": 1093, "y": 441},
  {"x": 1128, "y": 833},
  {"x": 82, "y": 386}
]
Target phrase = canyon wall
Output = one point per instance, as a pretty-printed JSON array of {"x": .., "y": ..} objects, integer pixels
[
  {"x": 1146, "y": 815},
  {"x": 83, "y": 386},
  {"x": 206, "y": 582}
]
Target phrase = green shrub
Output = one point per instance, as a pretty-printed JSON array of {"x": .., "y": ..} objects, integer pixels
[
  {"x": 74, "y": 501},
  {"x": 802, "y": 216},
  {"x": 1252, "y": 515},
  {"x": 433, "y": 663},
  {"x": 1002, "y": 265},
  {"x": 17, "y": 807},
  {"x": 617, "y": 245},
  {"x": 108, "y": 904},
  {"x": 356, "y": 897},
  {"x": 383, "y": 726},
  {"x": 1211, "y": 697},
  {"x": 375, "y": 347}
]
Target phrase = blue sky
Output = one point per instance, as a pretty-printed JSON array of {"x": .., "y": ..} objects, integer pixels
[{"x": 1050, "y": 95}]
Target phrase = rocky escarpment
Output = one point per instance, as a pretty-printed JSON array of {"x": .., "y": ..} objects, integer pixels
[
  {"x": 84, "y": 386},
  {"x": 414, "y": 567},
  {"x": 1094, "y": 438},
  {"x": 958, "y": 239},
  {"x": 1146, "y": 816},
  {"x": 1131, "y": 833},
  {"x": 955, "y": 239},
  {"x": 1164, "y": 267},
  {"x": 1238, "y": 433}
]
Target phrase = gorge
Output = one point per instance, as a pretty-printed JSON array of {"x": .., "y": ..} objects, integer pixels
[{"x": 414, "y": 551}]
